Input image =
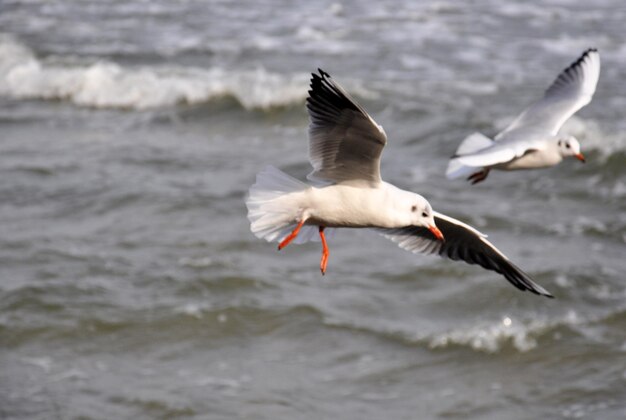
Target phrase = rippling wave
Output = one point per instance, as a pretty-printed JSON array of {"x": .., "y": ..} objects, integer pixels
[
  {"x": 132, "y": 286},
  {"x": 105, "y": 84}
]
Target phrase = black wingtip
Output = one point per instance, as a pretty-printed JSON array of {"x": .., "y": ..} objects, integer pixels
[
  {"x": 572, "y": 71},
  {"x": 543, "y": 293},
  {"x": 585, "y": 54},
  {"x": 323, "y": 73},
  {"x": 582, "y": 58},
  {"x": 321, "y": 76},
  {"x": 521, "y": 280},
  {"x": 325, "y": 94},
  {"x": 536, "y": 289},
  {"x": 318, "y": 78}
]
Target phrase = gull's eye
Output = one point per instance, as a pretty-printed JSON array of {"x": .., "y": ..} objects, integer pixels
[
  {"x": 560, "y": 142},
  {"x": 414, "y": 208},
  {"x": 567, "y": 145},
  {"x": 424, "y": 214}
]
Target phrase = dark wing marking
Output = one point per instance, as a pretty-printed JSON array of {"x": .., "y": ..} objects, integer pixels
[
  {"x": 345, "y": 143},
  {"x": 462, "y": 243}
]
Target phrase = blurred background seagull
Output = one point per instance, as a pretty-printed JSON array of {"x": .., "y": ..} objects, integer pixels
[{"x": 532, "y": 139}]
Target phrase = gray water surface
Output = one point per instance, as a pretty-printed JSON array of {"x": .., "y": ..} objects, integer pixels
[{"x": 131, "y": 286}]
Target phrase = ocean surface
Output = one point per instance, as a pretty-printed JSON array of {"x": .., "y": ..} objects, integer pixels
[{"x": 132, "y": 288}]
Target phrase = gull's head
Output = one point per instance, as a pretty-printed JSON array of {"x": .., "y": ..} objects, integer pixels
[
  {"x": 569, "y": 146},
  {"x": 421, "y": 214}
]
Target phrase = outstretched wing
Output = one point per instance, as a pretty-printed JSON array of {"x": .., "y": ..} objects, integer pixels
[
  {"x": 345, "y": 143},
  {"x": 571, "y": 90},
  {"x": 462, "y": 242}
]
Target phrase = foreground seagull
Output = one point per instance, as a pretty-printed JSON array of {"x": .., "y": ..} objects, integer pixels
[
  {"x": 345, "y": 145},
  {"x": 531, "y": 140}
]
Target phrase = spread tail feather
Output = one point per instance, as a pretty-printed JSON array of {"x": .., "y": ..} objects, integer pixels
[
  {"x": 472, "y": 143},
  {"x": 274, "y": 208}
]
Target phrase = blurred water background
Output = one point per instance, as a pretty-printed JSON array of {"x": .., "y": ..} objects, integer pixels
[{"x": 131, "y": 286}]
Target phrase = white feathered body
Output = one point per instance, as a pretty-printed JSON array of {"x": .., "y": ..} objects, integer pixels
[
  {"x": 516, "y": 150},
  {"x": 544, "y": 158},
  {"x": 277, "y": 202},
  {"x": 533, "y": 149},
  {"x": 343, "y": 205}
]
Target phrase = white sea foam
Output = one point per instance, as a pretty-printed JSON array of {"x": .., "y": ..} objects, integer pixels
[
  {"x": 491, "y": 337},
  {"x": 486, "y": 336},
  {"x": 105, "y": 84}
]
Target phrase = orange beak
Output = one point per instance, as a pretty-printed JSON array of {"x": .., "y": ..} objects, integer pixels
[
  {"x": 580, "y": 157},
  {"x": 435, "y": 231}
]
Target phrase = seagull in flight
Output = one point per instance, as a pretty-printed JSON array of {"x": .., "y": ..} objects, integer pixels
[
  {"x": 347, "y": 191},
  {"x": 532, "y": 140}
]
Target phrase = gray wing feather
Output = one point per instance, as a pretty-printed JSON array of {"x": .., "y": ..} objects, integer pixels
[
  {"x": 572, "y": 90},
  {"x": 345, "y": 143},
  {"x": 462, "y": 243}
]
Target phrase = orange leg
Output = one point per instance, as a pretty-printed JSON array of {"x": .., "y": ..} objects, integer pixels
[
  {"x": 325, "y": 253},
  {"x": 291, "y": 236}
]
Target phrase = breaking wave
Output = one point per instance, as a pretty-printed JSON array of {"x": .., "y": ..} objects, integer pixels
[
  {"x": 488, "y": 336},
  {"x": 106, "y": 84}
]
